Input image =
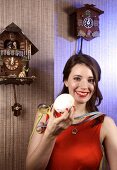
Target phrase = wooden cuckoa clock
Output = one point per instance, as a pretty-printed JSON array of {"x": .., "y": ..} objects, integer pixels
[
  {"x": 86, "y": 21},
  {"x": 16, "y": 51}
]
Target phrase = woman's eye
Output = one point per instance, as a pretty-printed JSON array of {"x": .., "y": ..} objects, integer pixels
[
  {"x": 91, "y": 81},
  {"x": 77, "y": 78}
]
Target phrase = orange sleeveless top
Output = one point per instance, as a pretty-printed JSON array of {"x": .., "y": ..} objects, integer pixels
[{"x": 79, "y": 151}]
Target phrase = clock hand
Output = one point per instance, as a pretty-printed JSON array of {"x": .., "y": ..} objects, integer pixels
[{"x": 12, "y": 60}]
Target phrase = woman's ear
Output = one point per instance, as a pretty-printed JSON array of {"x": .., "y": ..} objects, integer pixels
[{"x": 66, "y": 83}]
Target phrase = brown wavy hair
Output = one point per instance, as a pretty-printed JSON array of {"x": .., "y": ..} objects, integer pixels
[{"x": 93, "y": 65}]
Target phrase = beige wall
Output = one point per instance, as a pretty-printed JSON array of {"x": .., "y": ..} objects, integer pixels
[{"x": 35, "y": 18}]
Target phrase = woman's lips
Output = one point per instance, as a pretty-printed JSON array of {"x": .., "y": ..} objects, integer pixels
[{"x": 82, "y": 94}]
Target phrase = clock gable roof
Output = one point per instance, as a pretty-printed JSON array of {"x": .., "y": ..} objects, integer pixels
[
  {"x": 90, "y": 7},
  {"x": 13, "y": 28}
]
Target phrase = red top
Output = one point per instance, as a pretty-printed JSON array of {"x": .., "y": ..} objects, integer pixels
[{"x": 81, "y": 151}]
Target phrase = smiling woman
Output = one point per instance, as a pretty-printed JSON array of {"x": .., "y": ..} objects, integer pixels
[
  {"x": 65, "y": 143},
  {"x": 81, "y": 83}
]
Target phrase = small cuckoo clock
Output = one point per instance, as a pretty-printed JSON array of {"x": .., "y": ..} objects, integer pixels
[
  {"x": 87, "y": 21},
  {"x": 15, "y": 53}
]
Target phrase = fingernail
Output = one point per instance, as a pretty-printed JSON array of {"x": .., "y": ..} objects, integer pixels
[
  {"x": 74, "y": 108},
  {"x": 67, "y": 109}
]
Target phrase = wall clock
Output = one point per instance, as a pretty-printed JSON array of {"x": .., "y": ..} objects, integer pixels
[
  {"x": 87, "y": 21},
  {"x": 16, "y": 51}
]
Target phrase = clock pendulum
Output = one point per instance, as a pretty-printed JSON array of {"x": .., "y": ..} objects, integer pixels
[{"x": 16, "y": 108}]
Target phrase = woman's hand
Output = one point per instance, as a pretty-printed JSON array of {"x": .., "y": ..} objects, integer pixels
[{"x": 57, "y": 124}]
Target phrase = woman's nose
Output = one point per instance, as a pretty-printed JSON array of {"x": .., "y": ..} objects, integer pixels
[{"x": 83, "y": 84}]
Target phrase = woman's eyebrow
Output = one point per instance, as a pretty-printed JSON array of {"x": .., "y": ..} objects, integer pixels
[
  {"x": 92, "y": 77},
  {"x": 78, "y": 75}
]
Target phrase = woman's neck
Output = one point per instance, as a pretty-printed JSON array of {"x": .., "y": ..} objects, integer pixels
[{"x": 80, "y": 109}]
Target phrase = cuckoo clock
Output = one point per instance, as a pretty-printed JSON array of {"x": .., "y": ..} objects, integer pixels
[
  {"x": 87, "y": 21},
  {"x": 15, "y": 53}
]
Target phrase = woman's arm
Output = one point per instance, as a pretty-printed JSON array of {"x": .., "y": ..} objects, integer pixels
[
  {"x": 41, "y": 145},
  {"x": 110, "y": 142},
  {"x": 39, "y": 151}
]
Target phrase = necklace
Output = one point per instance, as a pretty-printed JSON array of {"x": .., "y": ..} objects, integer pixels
[
  {"x": 74, "y": 131},
  {"x": 76, "y": 124}
]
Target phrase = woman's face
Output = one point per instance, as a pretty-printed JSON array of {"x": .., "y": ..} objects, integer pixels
[{"x": 80, "y": 83}]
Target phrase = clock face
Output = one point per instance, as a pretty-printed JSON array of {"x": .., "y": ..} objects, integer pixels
[
  {"x": 12, "y": 63},
  {"x": 88, "y": 22}
]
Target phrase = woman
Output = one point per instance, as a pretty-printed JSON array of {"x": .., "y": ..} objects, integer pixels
[{"x": 66, "y": 144}]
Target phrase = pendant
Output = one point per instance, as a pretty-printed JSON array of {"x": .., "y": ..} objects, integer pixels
[{"x": 74, "y": 131}]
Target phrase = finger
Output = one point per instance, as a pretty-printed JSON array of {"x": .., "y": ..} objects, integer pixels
[
  {"x": 63, "y": 116},
  {"x": 72, "y": 110},
  {"x": 52, "y": 110},
  {"x": 54, "y": 113}
]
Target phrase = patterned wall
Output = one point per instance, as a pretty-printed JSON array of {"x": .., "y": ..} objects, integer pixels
[{"x": 35, "y": 18}]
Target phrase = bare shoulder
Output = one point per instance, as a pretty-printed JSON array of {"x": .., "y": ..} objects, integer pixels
[
  {"x": 109, "y": 127},
  {"x": 109, "y": 122}
]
